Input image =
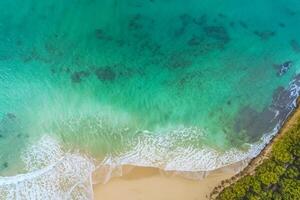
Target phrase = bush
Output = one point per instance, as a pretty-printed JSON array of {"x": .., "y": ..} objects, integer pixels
[{"x": 276, "y": 178}]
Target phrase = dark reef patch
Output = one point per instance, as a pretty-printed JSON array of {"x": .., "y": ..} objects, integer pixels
[
  {"x": 105, "y": 74},
  {"x": 101, "y": 35},
  {"x": 283, "y": 68},
  {"x": 200, "y": 21},
  {"x": 135, "y": 22},
  {"x": 295, "y": 46},
  {"x": 243, "y": 24},
  {"x": 229, "y": 102},
  {"x": 265, "y": 35},
  {"x": 5, "y": 165},
  {"x": 217, "y": 33},
  {"x": 177, "y": 61},
  {"x": 77, "y": 77},
  {"x": 254, "y": 123},
  {"x": 9, "y": 126},
  {"x": 185, "y": 20},
  {"x": 195, "y": 41},
  {"x": 281, "y": 24},
  {"x": 232, "y": 24},
  {"x": 11, "y": 116},
  {"x": 221, "y": 15}
]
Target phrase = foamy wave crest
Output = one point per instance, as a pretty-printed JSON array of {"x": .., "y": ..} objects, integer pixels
[
  {"x": 169, "y": 152},
  {"x": 52, "y": 174}
]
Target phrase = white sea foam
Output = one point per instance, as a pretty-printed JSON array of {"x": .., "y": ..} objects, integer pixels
[
  {"x": 168, "y": 152},
  {"x": 55, "y": 174},
  {"x": 52, "y": 174}
]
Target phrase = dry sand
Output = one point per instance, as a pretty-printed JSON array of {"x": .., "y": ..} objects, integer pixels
[{"x": 153, "y": 184}]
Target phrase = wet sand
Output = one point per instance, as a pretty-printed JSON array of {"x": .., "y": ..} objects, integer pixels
[{"x": 153, "y": 184}]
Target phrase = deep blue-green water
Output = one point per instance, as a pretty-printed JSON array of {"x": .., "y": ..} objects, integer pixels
[{"x": 181, "y": 85}]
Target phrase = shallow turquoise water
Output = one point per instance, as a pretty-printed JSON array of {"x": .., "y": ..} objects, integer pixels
[{"x": 97, "y": 74}]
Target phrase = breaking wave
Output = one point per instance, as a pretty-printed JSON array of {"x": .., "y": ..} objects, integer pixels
[{"x": 53, "y": 173}]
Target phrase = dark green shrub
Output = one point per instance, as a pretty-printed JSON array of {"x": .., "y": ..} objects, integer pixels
[{"x": 277, "y": 178}]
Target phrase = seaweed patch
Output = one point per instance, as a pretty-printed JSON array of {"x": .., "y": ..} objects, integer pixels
[
  {"x": 200, "y": 21},
  {"x": 243, "y": 24},
  {"x": 253, "y": 123},
  {"x": 77, "y": 77},
  {"x": 265, "y": 35},
  {"x": 105, "y": 74},
  {"x": 295, "y": 46}
]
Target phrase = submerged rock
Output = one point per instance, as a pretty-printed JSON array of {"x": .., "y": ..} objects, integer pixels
[
  {"x": 218, "y": 33},
  {"x": 254, "y": 123},
  {"x": 282, "y": 25},
  {"x": 101, "y": 35},
  {"x": 177, "y": 61},
  {"x": 105, "y": 74},
  {"x": 5, "y": 165},
  {"x": 194, "y": 41},
  {"x": 11, "y": 116},
  {"x": 243, "y": 24},
  {"x": 284, "y": 67},
  {"x": 265, "y": 35},
  {"x": 295, "y": 46},
  {"x": 76, "y": 77},
  {"x": 202, "y": 20}
]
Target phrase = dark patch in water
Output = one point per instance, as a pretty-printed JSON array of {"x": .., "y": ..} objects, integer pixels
[
  {"x": 9, "y": 126},
  {"x": 243, "y": 24},
  {"x": 177, "y": 61},
  {"x": 200, "y": 21},
  {"x": 194, "y": 41},
  {"x": 134, "y": 23},
  {"x": 105, "y": 74},
  {"x": 281, "y": 97},
  {"x": 53, "y": 71},
  {"x": 11, "y": 116},
  {"x": 282, "y": 25},
  {"x": 77, "y": 77},
  {"x": 66, "y": 69},
  {"x": 283, "y": 68},
  {"x": 5, "y": 165},
  {"x": 290, "y": 12},
  {"x": 218, "y": 33},
  {"x": 295, "y": 46},
  {"x": 221, "y": 15},
  {"x": 19, "y": 43},
  {"x": 254, "y": 123},
  {"x": 100, "y": 35},
  {"x": 228, "y": 102},
  {"x": 265, "y": 35},
  {"x": 185, "y": 20}
]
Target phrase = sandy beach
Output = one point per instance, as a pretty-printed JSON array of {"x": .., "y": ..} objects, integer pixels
[{"x": 150, "y": 183}]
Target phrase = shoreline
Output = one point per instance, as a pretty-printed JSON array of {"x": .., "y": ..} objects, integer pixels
[
  {"x": 142, "y": 183},
  {"x": 264, "y": 154},
  {"x": 146, "y": 183}
]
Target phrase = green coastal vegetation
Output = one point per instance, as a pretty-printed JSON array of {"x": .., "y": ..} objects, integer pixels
[{"x": 278, "y": 177}]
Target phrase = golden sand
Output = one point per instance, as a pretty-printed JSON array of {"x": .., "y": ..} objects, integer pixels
[{"x": 153, "y": 184}]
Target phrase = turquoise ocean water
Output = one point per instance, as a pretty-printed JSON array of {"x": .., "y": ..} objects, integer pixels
[{"x": 181, "y": 85}]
